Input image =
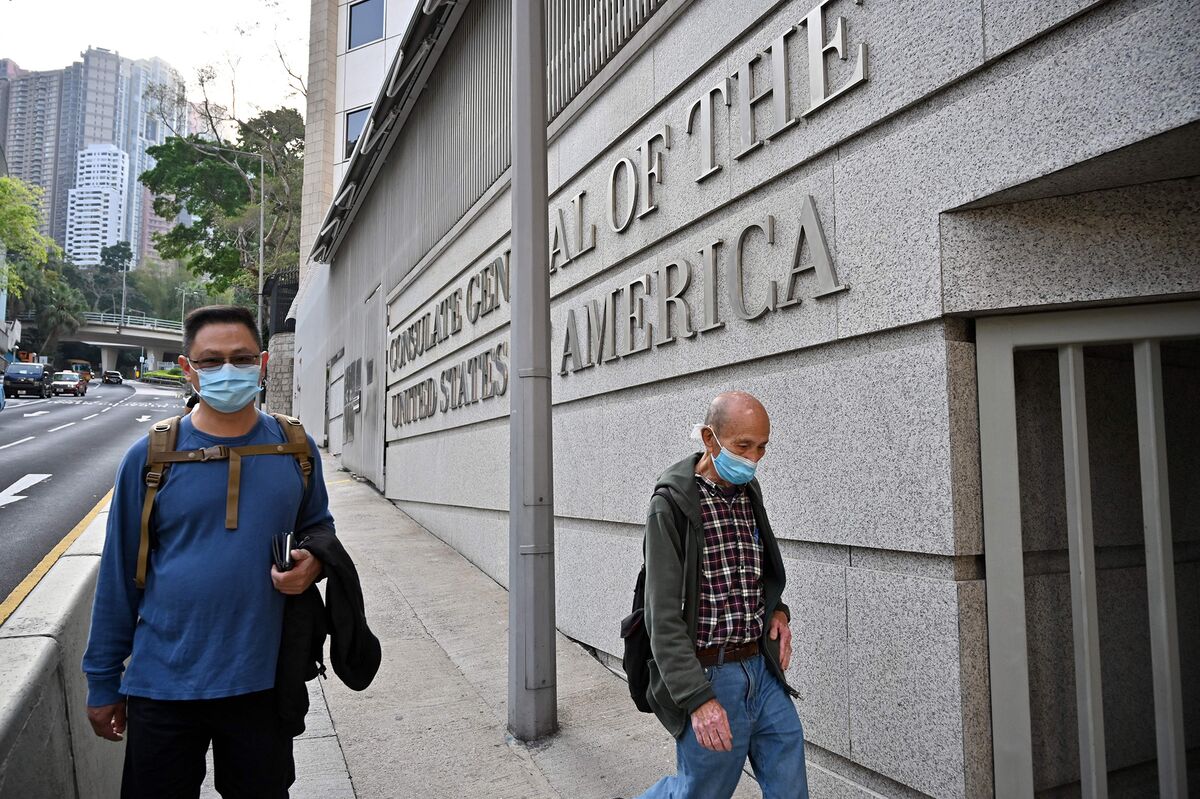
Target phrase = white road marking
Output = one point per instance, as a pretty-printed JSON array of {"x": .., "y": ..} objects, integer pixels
[
  {"x": 18, "y": 441},
  {"x": 60, "y": 427},
  {"x": 93, "y": 416},
  {"x": 143, "y": 418},
  {"x": 36, "y": 413},
  {"x": 9, "y": 495},
  {"x": 19, "y": 402},
  {"x": 106, "y": 410}
]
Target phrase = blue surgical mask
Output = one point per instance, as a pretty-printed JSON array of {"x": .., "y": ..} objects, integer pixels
[
  {"x": 733, "y": 468},
  {"x": 229, "y": 388}
]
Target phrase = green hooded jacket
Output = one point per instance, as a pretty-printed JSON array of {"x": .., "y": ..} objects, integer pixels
[{"x": 678, "y": 684}]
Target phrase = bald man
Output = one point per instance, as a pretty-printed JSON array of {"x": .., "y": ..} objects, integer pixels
[{"x": 717, "y": 672}]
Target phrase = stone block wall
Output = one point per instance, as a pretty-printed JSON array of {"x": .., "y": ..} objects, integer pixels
[{"x": 280, "y": 367}]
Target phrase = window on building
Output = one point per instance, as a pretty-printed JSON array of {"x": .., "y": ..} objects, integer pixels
[
  {"x": 354, "y": 125},
  {"x": 366, "y": 22}
]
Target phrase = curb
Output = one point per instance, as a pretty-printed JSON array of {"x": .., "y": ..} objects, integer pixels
[{"x": 23, "y": 589}]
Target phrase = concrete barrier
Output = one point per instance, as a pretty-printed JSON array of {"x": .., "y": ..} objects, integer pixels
[{"x": 47, "y": 747}]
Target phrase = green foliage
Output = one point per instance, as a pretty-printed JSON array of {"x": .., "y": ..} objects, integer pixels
[
  {"x": 20, "y": 216},
  {"x": 53, "y": 299},
  {"x": 39, "y": 279},
  {"x": 117, "y": 256},
  {"x": 162, "y": 290},
  {"x": 220, "y": 192},
  {"x": 174, "y": 373},
  {"x": 100, "y": 285}
]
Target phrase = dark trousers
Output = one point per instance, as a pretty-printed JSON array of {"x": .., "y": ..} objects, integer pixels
[{"x": 166, "y": 741}]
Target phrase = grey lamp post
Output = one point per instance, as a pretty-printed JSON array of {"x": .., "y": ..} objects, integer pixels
[
  {"x": 532, "y": 680},
  {"x": 184, "y": 293},
  {"x": 124, "y": 274},
  {"x": 262, "y": 194}
]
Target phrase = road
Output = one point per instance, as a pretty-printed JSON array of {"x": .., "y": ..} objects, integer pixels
[{"x": 58, "y": 458}]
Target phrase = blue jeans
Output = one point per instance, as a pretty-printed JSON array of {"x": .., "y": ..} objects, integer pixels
[{"x": 765, "y": 727}]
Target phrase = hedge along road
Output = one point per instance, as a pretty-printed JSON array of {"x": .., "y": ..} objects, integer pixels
[{"x": 58, "y": 458}]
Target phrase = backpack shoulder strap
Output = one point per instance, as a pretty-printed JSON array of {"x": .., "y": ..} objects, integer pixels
[
  {"x": 676, "y": 512},
  {"x": 293, "y": 431},
  {"x": 681, "y": 526},
  {"x": 162, "y": 441}
]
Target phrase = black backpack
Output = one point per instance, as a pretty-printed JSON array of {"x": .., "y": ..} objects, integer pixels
[{"x": 636, "y": 659}]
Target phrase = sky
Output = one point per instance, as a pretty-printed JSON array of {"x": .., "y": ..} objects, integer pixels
[{"x": 237, "y": 38}]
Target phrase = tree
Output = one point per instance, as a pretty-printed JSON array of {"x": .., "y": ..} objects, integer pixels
[
  {"x": 116, "y": 257},
  {"x": 101, "y": 284},
  {"x": 57, "y": 306},
  {"x": 217, "y": 194},
  {"x": 164, "y": 289},
  {"x": 20, "y": 217},
  {"x": 114, "y": 260}
]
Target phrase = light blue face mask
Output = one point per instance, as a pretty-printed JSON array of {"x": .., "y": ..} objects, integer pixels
[
  {"x": 229, "y": 388},
  {"x": 733, "y": 468}
]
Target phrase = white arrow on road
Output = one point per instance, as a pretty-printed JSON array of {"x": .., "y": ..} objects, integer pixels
[
  {"x": 9, "y": 495},
  {"x": 143, "y": 418},
  {"x": 37, "y": 413}
]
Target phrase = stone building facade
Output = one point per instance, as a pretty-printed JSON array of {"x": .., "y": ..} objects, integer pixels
[{"x": 934, "y": 239}]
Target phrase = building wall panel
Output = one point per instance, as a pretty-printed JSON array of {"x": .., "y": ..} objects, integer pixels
[{"x": 872, "y": 480}]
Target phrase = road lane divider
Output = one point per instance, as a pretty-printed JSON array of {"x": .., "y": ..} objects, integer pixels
[
  {"x": 19, "y": 441},
  {"x": 60, "y": 427},
  {"x": 93, "y": 416},
  {"x": 18, "y": 594}
]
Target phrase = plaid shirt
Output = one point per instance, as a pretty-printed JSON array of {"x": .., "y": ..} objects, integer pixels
[{"x": 731, "y": 595}]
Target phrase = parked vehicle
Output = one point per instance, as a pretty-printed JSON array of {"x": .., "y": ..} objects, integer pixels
[
  {"x": 69, "y": 383},
  {"x": 28, "y": 378},
  {"x": 112, "y": 377}
]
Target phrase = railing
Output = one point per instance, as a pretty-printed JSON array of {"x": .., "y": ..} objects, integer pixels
[
  {"x": 582, "y": 36},
  {"x": 132, "y": 319}
]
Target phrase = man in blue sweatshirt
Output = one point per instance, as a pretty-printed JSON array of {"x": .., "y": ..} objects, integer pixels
[{"x": 202, "y": 637}]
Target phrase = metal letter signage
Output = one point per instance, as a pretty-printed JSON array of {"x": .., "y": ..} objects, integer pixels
[
  {"x": 619, "y": 221},
  {"x": 708, "y": 155},
  {"x": 637, "y": 333},
  {"x": 777, "y": 91},
  {"x": 652, "y": 310},
  {"x": 817, "y": 47}
]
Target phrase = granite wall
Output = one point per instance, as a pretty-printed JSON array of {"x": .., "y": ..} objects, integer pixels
[{"x": 872, "y": 481}]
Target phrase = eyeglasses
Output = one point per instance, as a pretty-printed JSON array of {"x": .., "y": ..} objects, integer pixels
[{"x": 213, "y": 364}]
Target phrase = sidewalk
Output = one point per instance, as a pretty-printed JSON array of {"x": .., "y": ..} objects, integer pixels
[{"x": 433, "y": 722}]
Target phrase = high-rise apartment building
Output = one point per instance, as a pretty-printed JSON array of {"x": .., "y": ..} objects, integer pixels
[
  {"x": 154, "y": 110},
  {"x": 48, "y": 118},
  {"x": 149, "y": 224},
  {"x": 31, "y": 140},
  {"x": 105, "y": 95},
  {"x": 9, "y": 71},
  {"x": 70, "y": 142},
  {"x": 96, "y": 216}
]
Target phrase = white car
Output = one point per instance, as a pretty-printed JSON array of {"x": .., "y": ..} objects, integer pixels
[{"x": 69, "y": 383}]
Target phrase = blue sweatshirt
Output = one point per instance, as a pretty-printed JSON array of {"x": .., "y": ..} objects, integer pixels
[{"x": 209, "y": 621}]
